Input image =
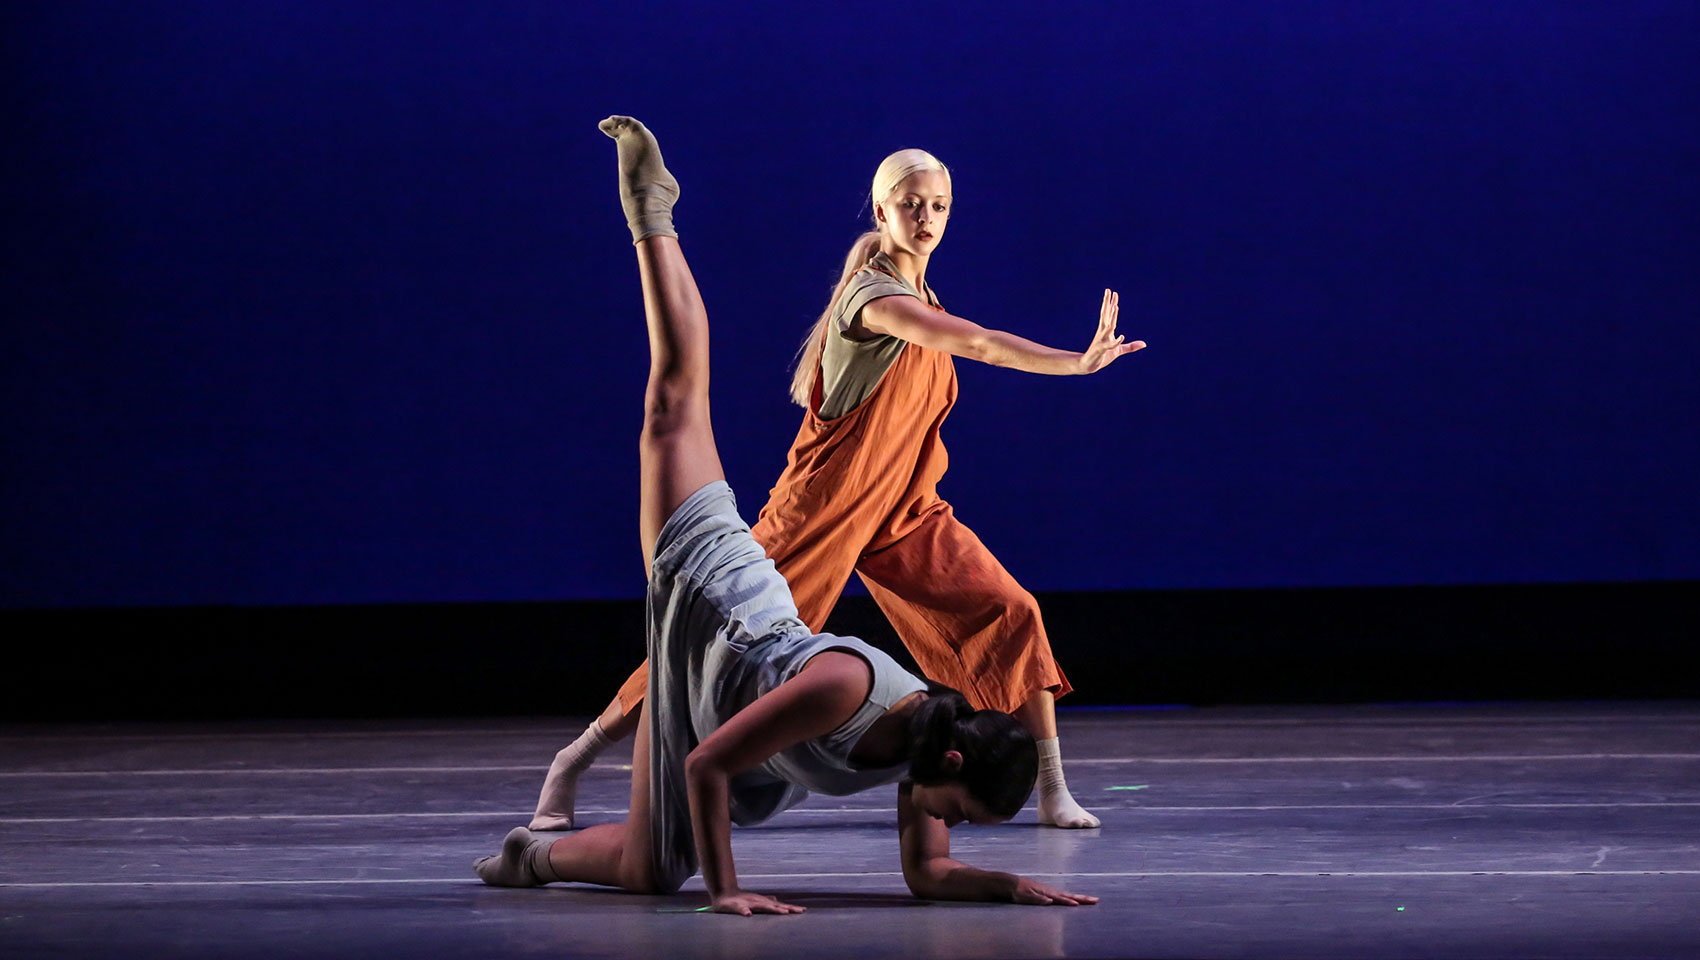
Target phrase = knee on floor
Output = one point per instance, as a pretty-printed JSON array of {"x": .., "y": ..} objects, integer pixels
[{"x": 649, "y": 880}]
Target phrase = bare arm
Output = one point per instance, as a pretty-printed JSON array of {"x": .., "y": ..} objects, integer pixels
[
  {"x": 931, "y": 874},
  {"x": 909, "y": 319},
  {"x": 817, "y": 701}
]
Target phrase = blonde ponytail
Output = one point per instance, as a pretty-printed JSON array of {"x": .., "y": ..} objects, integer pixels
[
  {"x": 808, "y": 354},
  {"x": 892, "y": 170}
]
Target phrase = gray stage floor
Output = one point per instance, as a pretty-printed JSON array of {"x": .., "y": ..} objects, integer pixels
[{"x": 1560, "y": 830}]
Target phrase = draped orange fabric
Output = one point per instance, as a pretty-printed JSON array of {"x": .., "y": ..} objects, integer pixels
[{"x": 859, "y": 493}]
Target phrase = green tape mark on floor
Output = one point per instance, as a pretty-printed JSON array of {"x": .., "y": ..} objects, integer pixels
[{"x": 1143, "y": 786}]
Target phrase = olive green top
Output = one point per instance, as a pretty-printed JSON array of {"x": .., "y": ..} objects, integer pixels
[{"x": 851, "y": 369}]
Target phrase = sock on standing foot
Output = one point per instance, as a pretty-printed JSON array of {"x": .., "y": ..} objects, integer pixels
[
  {"x": 1056, "y": 805},
  {"x": 560, "y": 784}
]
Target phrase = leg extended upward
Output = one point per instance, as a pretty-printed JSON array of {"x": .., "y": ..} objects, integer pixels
[{"x": 676, "y": 450}]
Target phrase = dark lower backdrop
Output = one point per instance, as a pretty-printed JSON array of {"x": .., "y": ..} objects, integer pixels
[{"x": 1594, "y": 641}]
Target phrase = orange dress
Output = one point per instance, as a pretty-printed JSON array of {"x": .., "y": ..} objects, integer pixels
[{"x": 860, "y": 493}]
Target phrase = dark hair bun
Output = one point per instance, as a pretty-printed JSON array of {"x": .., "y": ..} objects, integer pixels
[{"x": 999, "y": 758}]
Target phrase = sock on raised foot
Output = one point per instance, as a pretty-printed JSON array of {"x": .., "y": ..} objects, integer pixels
[
  {"x": 560, "y": 785},
  {"x": 1057, "y": 807},
  {"x": 647, "y": 190},
  {"x": 523, "y": 862}
]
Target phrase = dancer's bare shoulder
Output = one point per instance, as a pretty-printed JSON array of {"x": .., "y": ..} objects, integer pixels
[{"x": 846, "y": 674}]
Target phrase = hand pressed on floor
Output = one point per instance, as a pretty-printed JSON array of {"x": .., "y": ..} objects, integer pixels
[{"x": 745, "y": 904}]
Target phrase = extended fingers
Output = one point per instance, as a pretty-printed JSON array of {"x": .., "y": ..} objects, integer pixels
[
  {"x": 1108, "y": 312},
  {"x": 1065, "y": 899}
]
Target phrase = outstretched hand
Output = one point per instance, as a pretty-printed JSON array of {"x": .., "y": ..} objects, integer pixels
[
  {"x": 745, "y": 903},
  {"x": 1030, "y": 891},
  {"x": 1106, "y": 346}
]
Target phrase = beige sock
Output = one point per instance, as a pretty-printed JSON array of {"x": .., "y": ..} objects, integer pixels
[
  {"x": 647, "y": 190},
  {"x": 560, "y": 785},
  {"x": 1056, "y": 805},
  {"x": 523, "y": 862}
]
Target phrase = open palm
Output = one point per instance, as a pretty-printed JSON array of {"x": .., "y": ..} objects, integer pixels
[{"x": 1106, "y": 345}]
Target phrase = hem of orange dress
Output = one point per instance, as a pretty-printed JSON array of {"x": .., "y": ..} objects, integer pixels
[
  {"x": 630, "y": 698},
  {"x": 1061, "y": 688}
]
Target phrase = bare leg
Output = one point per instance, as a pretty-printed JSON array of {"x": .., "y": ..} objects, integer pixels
[
  {"x": 676, "y": 452},
  {"x": 1038, "y": 715},
  {"x": 1057, "y": 807}
]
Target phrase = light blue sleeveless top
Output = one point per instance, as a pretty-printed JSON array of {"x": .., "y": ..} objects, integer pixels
[{"x": 742, "y": 673}]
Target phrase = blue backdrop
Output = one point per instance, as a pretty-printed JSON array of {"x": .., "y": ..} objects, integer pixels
[{"x": 333, "y": 302}]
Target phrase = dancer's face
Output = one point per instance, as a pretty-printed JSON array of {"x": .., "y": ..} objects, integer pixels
[
  {"x": 913, "y": 218},
  {"x": 951, "y": 803}
]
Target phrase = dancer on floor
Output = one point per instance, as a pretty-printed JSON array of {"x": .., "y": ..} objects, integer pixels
[
  {"x": 747, "y": 710},
  {"x": 859, "y": 491}
]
